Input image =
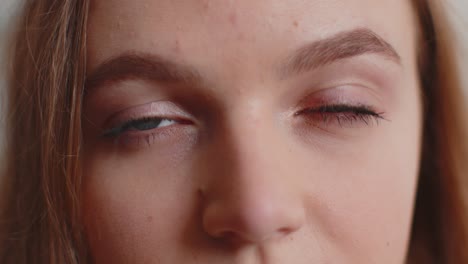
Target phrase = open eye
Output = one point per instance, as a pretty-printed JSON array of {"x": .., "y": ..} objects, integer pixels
[
  {"x": 142, "y": 124},
  {"x": 149, "y": 123}
]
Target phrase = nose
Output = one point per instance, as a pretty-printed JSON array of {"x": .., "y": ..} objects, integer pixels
[
  {"x": 251, "y": 215},
  {"x": 253, "y": 195}
]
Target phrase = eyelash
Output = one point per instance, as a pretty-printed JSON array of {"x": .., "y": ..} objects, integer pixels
[
  {"x": 341, "y": 113},
  {"x": 344, "y": 114},
  {"x": 131, "y": 124}
]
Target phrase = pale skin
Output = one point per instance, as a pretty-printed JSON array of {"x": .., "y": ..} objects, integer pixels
[{"x": 237, "y": 155}]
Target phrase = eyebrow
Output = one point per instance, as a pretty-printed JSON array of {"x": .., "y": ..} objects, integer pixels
[
  {"x": 137, "y": 65},
  {"x": 340, "y": 46}
]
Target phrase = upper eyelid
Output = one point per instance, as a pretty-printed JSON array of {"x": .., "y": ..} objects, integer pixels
[
  {"x": 348, "y": 95},
  {"x": 162, "y": 109},
  {"x": 337, "y": 108}
]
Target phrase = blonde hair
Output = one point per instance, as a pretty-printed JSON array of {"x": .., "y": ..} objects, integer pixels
[
  {"x": 42, "y": 179},
  {"x": 42, "y": 187}
]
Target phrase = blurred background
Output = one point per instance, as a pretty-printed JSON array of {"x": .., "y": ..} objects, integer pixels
[{"x": 9, "y": 10}]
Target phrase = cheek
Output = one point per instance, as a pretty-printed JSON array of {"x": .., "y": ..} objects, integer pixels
[
  {"x": 136, "y": 207},
  {"x": 367, "y": 198}
]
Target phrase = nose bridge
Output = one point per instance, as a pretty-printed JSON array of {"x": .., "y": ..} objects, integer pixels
[
  {"x": 248, "y": 160},
  {"x": 251, "y": 196},
  {"x": 251, "y": 132},
  {"x": 253, "y": 146}
]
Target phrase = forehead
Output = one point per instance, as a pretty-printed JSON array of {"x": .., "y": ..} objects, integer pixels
[{"x": 238, "y": 31}]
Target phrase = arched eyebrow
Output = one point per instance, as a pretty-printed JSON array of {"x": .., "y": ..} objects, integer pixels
[
  {"x": 138, "y": 65},
  {"x": 339, "y": 46}
]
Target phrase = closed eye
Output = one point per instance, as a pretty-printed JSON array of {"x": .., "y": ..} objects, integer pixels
[{"x": 343, "y": 114}]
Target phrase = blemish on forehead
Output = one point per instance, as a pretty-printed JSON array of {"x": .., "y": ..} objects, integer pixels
[
  {"x": 133, "y": 34},
  {"x": 119, "y": 24},
  {"x": 295, "y": 23},
  {"x": 176, "y": 47},
  {"x": 233, "y": 19},
  {"x": 206, "y": 4}
]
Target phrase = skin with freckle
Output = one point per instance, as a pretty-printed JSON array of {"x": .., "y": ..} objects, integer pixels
[{"x": 241, "y": 161}]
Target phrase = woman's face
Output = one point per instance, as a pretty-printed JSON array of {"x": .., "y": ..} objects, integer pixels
[{"x": 251, "y": 131}]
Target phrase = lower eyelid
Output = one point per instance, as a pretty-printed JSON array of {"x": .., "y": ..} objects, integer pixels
[{"x": 146, "y": 138}]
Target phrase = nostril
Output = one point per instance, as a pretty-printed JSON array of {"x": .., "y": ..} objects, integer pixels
[
  {"x": 285, "y": 230},
  {"x": 230, "y": 239},
  {"x": 225, "y": 235}
]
